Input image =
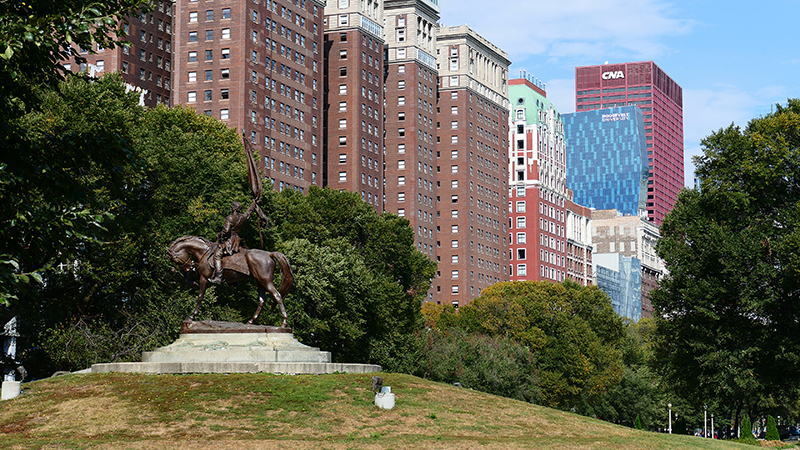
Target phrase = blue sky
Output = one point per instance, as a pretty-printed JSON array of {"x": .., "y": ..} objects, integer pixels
[{"x": 733, "y": 59}]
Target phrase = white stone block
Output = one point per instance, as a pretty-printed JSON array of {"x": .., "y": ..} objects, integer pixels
[
  {"x": 11, "y": 389},
  {"x": 384, "y": 401}
]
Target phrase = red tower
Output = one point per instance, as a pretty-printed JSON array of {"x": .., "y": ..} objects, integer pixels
[{"x": 645, "y": 85}]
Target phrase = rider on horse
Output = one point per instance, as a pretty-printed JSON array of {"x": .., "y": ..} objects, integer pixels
[{"x": 228, "y": 240}]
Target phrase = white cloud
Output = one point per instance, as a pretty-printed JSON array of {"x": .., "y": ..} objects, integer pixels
[{"x": 571, "y": 29}]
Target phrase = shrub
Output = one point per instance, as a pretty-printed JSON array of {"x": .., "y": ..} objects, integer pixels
[{"x": 772, "y": 430}]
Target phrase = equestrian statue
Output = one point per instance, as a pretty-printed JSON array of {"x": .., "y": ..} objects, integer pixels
[{"x": 229, "y": 260}]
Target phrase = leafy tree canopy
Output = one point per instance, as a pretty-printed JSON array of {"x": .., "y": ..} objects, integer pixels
[
  {"x": 728, "y": 319},
  {"x": 572, "y": 330}
]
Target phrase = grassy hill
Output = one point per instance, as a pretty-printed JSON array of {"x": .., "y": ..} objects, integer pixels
[{"x": 249, "y": 411}]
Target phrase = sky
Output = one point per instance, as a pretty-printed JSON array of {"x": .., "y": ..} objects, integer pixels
[{"x": 734, "y": 59}]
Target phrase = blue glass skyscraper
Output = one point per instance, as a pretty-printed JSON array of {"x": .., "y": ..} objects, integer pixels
[{"x": 607, "y": 166}]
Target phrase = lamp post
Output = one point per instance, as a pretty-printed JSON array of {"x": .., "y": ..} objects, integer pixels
[
  {"x": 669, "y": 405},
  {"x": 705, "y": 424},
  {"x": 712, "y": 426}
]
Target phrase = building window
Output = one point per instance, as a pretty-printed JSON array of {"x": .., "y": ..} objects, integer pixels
[
  {"x": 209, "y": 15},
  {"x": 342, "y": 176},
  {"x": 401, "y": 196},
  {"x": 192, "y": 36},
  {"x": 226, "y": 53},
  {"x": 223, "y": 93},
  {"x": 454, "y": 110},
  {"x": 401, "y": 181},
  {"x": 226, "y": 33},
  {"x": 342, "y": 124},
  {"x": 342, "y": 106},
  {"x": 193, "y": 16},
  {"x": 401, "y": 101},
  {"x": 192, "y": 97},
  {"x": 401, "y": 132},
  {"x": 401, "y": 53},
  {"x": 522, "y": 270},
  {"x": 401, "y": 164},
  {"x": 521, "y": 238},
  {"x": 401, "y": 68},
  {"x": 520, "y": 222},
  {"x": 454, "y": 243},
  {"x": 223, "y": 114},
  {"x": 209, "y": 55},
  {"x": 207, "y": 95},
  {"x": 343, "y": 54},
  {"x": 454, "y": 184},
  {"x": 226, "y": 13},
  {"x": 192, "y": 56},
  {"x": 342, "y": 89},
  {"x": 209, "y": 35},
  {"x": 454, "y": 259},
  {"x": 520, "y": 206},
  {"x": 342, "y": 140},
  {"x": 454, "y": 139},
  {"x": 225, "y": 73},
  {"x": 454, "y": 168}
]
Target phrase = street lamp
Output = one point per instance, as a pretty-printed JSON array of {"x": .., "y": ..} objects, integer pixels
[
  {"x": 712, "y": 425},
  {"x": 705, "y": 424},
  {"x": 669, "y": 405}
]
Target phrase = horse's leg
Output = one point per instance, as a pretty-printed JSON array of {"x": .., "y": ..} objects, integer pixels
[
  {"x": 261, "y": 294},
  {"x": 203, "y": 284},
  {"x": 279, "y": 301}
]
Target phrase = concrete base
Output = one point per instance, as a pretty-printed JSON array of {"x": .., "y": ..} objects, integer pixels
[
  {"x": 11, "y": 389},
  {"x": 298, "y": 368},
  {"x": 219, "y": 347}
]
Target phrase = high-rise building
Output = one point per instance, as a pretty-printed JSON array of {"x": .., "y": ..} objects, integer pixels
[
  {"x": 410, "y": 110},
  {"x": 471, "y": 161},
  {"x": 645, "y": 85},
  {"x": 607, "y": 158},
  {"x": 621, "y": 278},
  {"x": 353, "y": 119},
  {"x": 579, "y": 242},
  {"x": 630, "y": 236},
  {"x": 257, "y": 66},
  {"x": 538, "y": 185},
  {"x": 146, "y": 64}
]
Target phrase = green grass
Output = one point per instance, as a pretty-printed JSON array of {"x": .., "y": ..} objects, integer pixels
[{"x": 243, "y": 411}]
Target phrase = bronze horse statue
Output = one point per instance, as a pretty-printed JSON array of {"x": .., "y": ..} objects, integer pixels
[{"x": 193, "y": 253}]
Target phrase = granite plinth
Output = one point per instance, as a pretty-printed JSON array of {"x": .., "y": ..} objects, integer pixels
[{"x": 222, "y": 347}]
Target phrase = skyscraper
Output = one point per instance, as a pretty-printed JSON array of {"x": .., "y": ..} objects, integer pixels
[
  {"x": 607, "y": 158},
  {"x": 146, "y": 64},
  {"x": 257, "y": 66},
  {"x": 410, "y": 111},
  {"x": 353, "y": 118},
  {"x": 538, "y": 185},
  {"x": 471, "y": 159},
  {"x": 645, "y": 85}
]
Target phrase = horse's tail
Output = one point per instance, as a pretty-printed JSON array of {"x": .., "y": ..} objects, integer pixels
[{"x": 286, "y": 272}]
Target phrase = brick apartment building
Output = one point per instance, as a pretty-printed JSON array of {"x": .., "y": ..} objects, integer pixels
[
  {"x": 471, "y": 159},
  {"x": 410, "y": 114},
  {"x": 147, "y": 63},
  {"x": 548, "y": 232},
  {"x": 353, "y": 105}
]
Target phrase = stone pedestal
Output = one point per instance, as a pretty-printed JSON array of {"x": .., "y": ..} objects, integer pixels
[{"x": 222, "y": 347}]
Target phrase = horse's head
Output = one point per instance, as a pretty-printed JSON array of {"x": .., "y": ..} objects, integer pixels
[{"x": 186, "y": 251}]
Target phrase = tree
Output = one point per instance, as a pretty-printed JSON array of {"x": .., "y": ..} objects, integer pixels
[
  {"x": 727, "y": 318},
  {"x": 772, "y": 430},
  {"x": 34, "y": 36},
  {"x": 359, "y": 279},
  {"x": 572, "y": 331},
  {"x": 637, "y": 423},
  {"x": 116, "y": 295},
  {"x": 746, "y": 433}
]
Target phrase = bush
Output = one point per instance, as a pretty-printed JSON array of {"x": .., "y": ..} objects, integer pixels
[
  {"x": 637, "y": 423},
  {"x": 493, "y": 364},
  {"x": 746, "y": 434},
  {"x": 772, "y": 430}
]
